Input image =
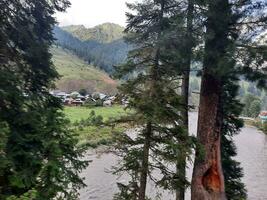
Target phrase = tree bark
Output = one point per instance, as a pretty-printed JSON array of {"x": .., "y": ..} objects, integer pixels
[
  {"x": 181, "y": 163},
  {"x": 208, "y": 179},
  {"x": 145, "y": 160}
]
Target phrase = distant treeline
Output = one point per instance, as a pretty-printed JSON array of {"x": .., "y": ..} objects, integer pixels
[{"x": 104, "y": 56}]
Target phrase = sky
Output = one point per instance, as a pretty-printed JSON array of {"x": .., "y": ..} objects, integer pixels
[{"x": 94, "y": 12}]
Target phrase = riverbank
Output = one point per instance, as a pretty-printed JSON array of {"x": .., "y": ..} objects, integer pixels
[
  {"x": 252, "y": 154},
  {"x": 250, "y": 144},
  {"x": 95, "y": 134},
  {"x": 256, "y": 123}
]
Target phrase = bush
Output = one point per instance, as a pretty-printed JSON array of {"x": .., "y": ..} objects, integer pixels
[
  {"x": 30, "y": 195},
  {"x": 83, "y": 92},
  {"x": 97, "y": 120},
  {"x": 80, "y": 128},
  {"x": 92, "y": 120},
  {"x": 255, "y": 108},
  {"x": 99, "y": 102},
  {"x": 89, "y": 103}
]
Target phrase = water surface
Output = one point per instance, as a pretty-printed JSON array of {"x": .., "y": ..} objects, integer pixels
[{"x": 252, "y": 153}]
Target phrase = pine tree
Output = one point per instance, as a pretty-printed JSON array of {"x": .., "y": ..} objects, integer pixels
[
  {"x": 153, "y": 95},
  {"x": 39, "y": 151},
  {"x": 207, "y": 181},
  {"x": 233, "y": 172},
  {"x": 186, "y": 43},
  {"x": 230, "y": 47}
]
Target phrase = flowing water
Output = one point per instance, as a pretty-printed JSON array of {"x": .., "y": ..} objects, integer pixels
[{"x": 252, "y": 153}]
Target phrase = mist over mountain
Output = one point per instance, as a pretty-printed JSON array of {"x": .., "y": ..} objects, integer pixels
[{"x": 102, "y": 46}]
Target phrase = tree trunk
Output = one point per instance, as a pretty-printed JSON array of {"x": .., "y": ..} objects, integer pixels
[
  {"x": 208, "y": 180},
  {"x": 144, "y": 169},
  {"x": 181, "y": 164}
]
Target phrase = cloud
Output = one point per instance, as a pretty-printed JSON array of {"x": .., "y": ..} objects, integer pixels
[{"x": 94, "y": 12}]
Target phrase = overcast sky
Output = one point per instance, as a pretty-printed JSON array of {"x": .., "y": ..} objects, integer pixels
[{"x": 94, "y": 12}]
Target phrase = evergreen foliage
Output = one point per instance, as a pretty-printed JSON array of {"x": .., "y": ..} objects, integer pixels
[
  {"x": 231, "y": 47},
  {"x": 252, "y": 106},
  {"x": 160, "y": 140},
  {"x": 255, "y": 108},
  {"x": 38, "y": 151},
  {"x": 253, "y": 90},
  {"x": 39, "y": 157},
  {"x": 233, "y": 172}
]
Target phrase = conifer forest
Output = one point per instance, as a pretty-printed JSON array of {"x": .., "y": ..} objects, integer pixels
[{"x": 133, "y": 100}]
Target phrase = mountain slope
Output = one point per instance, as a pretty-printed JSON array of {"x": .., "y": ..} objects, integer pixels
[
  {"x": 76, "y": 74},
  {"x": 104, "y": 33},
  {"x": 102, "y": 55}
]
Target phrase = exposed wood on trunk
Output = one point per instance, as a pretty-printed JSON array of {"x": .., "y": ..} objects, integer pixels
[{"x": 208, "y": 180}]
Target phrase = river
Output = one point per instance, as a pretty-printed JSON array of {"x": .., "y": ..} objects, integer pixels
[{"x": 252, "y": 153}]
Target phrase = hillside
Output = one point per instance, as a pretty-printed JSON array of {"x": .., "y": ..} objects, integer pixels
[
  {"x": 104, "y": 33},
  {"x": 102, "y": 55},
  {"x": 76, "y": 74}
]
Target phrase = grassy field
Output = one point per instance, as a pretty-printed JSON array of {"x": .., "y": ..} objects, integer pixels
[
  {"x": 76, "y": 74},
  {"x": 95, "y": 136},
  {"x": 79, "y": 113}
]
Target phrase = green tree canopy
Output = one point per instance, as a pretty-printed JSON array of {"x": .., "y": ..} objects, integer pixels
[{"x": 39, "y": 150}]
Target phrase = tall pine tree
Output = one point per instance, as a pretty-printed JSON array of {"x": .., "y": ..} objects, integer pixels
[
  {"x": 232, "y": 108},
  {"x": 38, "y": 151},
  {"x": 230, "y": 47},
  {"x": 153, "y": 94}
]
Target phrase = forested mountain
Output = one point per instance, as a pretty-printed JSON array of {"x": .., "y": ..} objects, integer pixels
[
  {"x": 104, "y": 33},
  {"x": 96, "y": 51},
  {"x": 75, "y": 74}
]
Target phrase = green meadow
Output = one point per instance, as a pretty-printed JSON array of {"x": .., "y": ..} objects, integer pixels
[
  {"x": 78, "y": 113},
  {"x": 91, "y": 135}
]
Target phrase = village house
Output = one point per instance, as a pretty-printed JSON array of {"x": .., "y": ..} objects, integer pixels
[{"x": 76, "y": 99}]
